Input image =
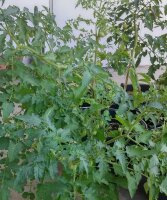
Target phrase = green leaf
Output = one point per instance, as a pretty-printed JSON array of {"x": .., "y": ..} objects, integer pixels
[
  {"x": 53, "y": 169},
  {"x": 4, "y": 143},
  {"x": 87, "y": 77},
  {"x": 29, "y": 78},
  {"x": 163, "y": 148},
  {"x": 2, "y": 42},
  {"x": 149, "y": 20},
  {"x": 98, "y": 70},
  {"x": 144, "y": 137},
  {"x": 154, "y": 165},
  {"x": 136, "y": 3},
  {"x": 90, "y": 194},
  {"x": 84, "y": 164},
  {"x": 123, "y": 121},
  {"x": 163, "y": 186},
  {"x": 135, "y": 151},
  {"x": 14, "y": 150},
  {"x": 134, "y": 79},
  {"x": 39, "y": 171},
  {"x": 132, "y": 184},
  {"x": 22, "y": 24},
  {"x": 153, "y": 189},
  {"x": 4, "y": 193},
  {"x": 7, "y": 109},
  {"x": 47, "y": 191},
  {"x": 152, "y": 59},
  {"x": 23, "y": 174},
  {"x": 119, "y": 181},
  {"x": 38, "y": 36},
  {"x": 47, "y": 118},
  {"x": 120, "y": 155},
  {"x": 32, "y": 120},
  {"x": 149, "y": 38},
  {"x": 118, "y": 170},
  {"x": 100, "y": 175},
  {"x": 113, "y": 194},
  {"x": 165, "y": 9},
  {"x": 156, "y": 105},
  {"x": 11, "y": 10},
  {"x": 145, "y": 78},
  {"x": 28, "y": 195},
  {"x": 122, "y": 109},
  {"x": 64, "y": 49}
]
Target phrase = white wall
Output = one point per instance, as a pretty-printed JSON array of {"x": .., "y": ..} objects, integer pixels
[
  {"x": 65, "y": 9},
  {"x": 27, "y": 3}
]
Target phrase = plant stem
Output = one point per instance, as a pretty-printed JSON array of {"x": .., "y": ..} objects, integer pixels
[
  {"x": 74, "y": 187},
  {"x": 132, "y": 64},
  {"x": 96, "y": 39},
  {"x": 41, "y": 57},
  {"x": 135, "y": 39},
  {"x": 127, "y": 78},
  {"x": 95, "y": 55},
  {"x": 116, "y": 138},
  {"x": 138, "y": 144}
]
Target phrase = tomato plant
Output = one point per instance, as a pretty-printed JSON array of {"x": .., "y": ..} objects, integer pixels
[{"x": 55, "y": 127}]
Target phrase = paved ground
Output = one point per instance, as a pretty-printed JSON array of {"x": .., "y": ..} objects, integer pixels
[{"x": 15, "y": 196}]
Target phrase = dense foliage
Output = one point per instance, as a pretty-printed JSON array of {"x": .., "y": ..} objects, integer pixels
[{"x": 56, "y": 132}]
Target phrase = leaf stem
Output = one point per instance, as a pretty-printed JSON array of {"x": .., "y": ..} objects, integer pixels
[{"x": 21, "y": 46}]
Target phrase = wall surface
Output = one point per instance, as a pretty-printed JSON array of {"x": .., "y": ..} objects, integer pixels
[
  {"x": 27, "y": 3},
  {"x": 65, "y": 10}
]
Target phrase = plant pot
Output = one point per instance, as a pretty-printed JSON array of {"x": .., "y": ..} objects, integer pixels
[
  {"x": 142, "y": 87},
  {"x": 85, "y": 106},
  {"x": 162, "y": 197}
]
